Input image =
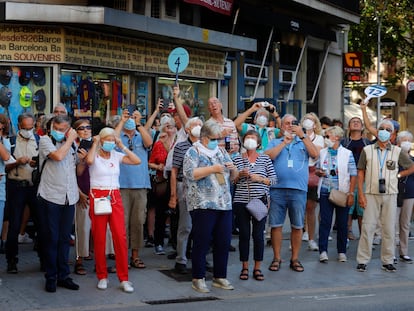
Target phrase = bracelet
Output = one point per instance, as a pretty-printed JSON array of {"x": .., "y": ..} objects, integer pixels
[{"x": 125, "y": 148}]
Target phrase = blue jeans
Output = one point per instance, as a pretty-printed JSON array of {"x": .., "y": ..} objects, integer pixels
[
  {"x": 245, "y": 221},
  {"x": 326, "y": 211},
  {"x": 287, "y": 200},
  {"x": 211, "y": 227},
  {"x": 56, "y": 221}
]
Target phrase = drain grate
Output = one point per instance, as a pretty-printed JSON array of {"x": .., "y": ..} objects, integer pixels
[{"x": 180, "y": 300}]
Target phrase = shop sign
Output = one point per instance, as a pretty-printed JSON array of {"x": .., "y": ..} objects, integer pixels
[
  {"x": 99, "y": 50},
  {"x": 352, "y": 66},
  {"x": 219, "y": 6},
  {"x": 31, "y": 44}
]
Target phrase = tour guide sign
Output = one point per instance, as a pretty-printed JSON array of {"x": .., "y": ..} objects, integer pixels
[{"x": 78, "y": 47}]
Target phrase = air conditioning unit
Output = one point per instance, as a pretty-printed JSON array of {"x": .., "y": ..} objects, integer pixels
[
  {"x": 286, "y": 76},
  {"x": 251, "y": 72}
]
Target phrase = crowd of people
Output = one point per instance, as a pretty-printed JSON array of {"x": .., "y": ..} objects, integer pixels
[{"x": 117, "y": 188}]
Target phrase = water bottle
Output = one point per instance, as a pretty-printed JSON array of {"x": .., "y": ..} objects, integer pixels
[{"x": 227, "y": 142}]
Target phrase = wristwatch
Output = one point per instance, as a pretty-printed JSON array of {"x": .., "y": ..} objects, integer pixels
[{"x": 303, "y": 137}]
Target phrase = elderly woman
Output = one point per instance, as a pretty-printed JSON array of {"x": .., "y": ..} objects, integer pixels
[
  {"x": 310, "y": 122},
  {"x": 256, "y": 174},
  {"x": 337, "y": 170},
  {"x": 207, "y": 171},
  {"x": 261, "y": 123},
  {"x": 406, "y": 189},
  {"x": 104, "y": 163}
]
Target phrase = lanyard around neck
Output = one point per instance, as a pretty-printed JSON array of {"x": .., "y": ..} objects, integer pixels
[{"x": 381, "y": 159}]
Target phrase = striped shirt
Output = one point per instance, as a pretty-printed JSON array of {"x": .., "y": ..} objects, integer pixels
[
  {"x": 247, "y": 190},
  {"x": 178, "y": 156}
]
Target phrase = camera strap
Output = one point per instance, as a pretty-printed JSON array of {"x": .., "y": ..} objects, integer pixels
[{"x": 381, "y": 160}]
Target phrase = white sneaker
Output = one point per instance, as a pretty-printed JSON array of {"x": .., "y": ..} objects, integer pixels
[
  {"x": 342, "y": 257},
  {"x": 126, "y": 286},
  {"x": 305, "y": 236},
  {"x": 102, "y": 284},
  {"x": 24, "y": 239},
  {"x": 376, "y": 241},
  {"x": 323, "y": 257},
  {"x": 222, "y": 283},
  {"x": 200, "y": 285},
  {"x": 312, "y": 246}
]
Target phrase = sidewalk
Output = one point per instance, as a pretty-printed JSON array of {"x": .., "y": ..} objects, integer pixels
[{"x": 25, "y": 291}]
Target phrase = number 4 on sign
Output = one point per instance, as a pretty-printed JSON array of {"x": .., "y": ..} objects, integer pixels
[
  {"x": 374, "y": 91},
  {"x": 178, "y": 61}
]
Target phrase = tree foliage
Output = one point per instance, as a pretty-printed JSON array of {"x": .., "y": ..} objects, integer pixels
[{"x": 397, "y": 36}]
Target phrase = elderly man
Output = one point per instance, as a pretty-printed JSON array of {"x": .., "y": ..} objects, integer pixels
[
  {"x": 378, "y": 168},
  {"x": 58, "y": 194},
  {"x": 290, "y": 155}
]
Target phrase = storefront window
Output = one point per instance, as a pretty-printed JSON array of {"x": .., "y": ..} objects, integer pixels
[{"x": 195, "y": 92}]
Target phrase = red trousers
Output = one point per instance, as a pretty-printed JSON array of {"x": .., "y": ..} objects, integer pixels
[{"x": 117, "y": 225}]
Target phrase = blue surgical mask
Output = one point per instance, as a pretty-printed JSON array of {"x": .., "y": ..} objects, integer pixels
[
  {"x": 384, "y": 135},
  {"x": 129, "y": 125},
  {"x": 212, "y": 144},
  {"x": 108, "y": 146},
  {"x": 57, "y": 135}
]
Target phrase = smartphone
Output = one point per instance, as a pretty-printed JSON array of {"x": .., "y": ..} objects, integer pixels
[
  {"x": 295, "y": 122},
  {"x": 131, "y": 109},
  {"x": 85, "y": 144}
]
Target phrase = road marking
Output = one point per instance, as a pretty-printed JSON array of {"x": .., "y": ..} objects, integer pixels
[{"x": 333, "y": 297}]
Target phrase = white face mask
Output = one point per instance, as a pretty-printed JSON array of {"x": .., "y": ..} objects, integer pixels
[
  {"x": 27, "y": 134},
  {"x": 195, "y": 131},
  {"x": 308, "y": 124},
  {"x": 406, "y": 146},
  {"x": 261, "y": 120},
  {"x": 329, "y": 143},
  {"x": 164, "y": 119},
  {"x": 250, "y": 144}
]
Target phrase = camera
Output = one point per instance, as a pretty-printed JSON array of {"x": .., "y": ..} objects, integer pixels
[
  {"x": 381, "y": 185},
  {"x": 332, "y": 172},
  {"x": 295, "y": 122}
]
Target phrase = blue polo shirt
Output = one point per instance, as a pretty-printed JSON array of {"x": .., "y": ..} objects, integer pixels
[
  {"x": 291, "y": 165},
  {"x": 135, "y": 176}
]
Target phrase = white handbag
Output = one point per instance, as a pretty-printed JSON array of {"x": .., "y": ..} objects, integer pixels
[{"x": 102, "y": 206}]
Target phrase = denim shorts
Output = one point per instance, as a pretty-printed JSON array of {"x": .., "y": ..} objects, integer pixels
[{"x": 283, "y": 200}]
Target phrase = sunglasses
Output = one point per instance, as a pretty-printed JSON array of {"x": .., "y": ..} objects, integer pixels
[
  {"x": 81, "y": 128},
  {"x": 387, "y": 129},
  {"x": 130, "y": 145}
]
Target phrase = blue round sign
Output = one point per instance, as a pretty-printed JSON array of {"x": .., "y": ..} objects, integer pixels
[{"x": 178, "y": 60}]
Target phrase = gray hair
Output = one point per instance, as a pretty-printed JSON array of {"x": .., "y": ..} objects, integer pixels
[
  {"x": 191, "y": 121},
  {"x": 404, "y": 134},
  {"x": 169, "y": 121},
  {"x": 386, "y": 122},
  {"x": 114, "y": 121},
  {"x": 60, "y": 105},
  {"x": 210, "y": 129},
  {"x": 335, "y": 130},
  {"x": 288, "y": 115},
  {"x": 106, "y": 131}
]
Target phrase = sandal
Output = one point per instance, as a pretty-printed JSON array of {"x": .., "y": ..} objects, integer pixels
[
  {"x": 137, "y": 263},
  {"x": 295, "y": 265},
  {"x": 275, "y": 265},
  {"x": 244, "y": 274},
  {"x": 111, "y": 269},
  {"x": 258, "y": 275},
  {"x": 80, "y": 269}
]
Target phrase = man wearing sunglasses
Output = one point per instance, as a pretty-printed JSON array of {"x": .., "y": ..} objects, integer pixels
[
  {"x": 378, "y": 168},
  {"x": 134, "y": 190}
]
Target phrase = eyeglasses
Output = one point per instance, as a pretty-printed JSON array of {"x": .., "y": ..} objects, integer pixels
[
  {"x": 130, "y": 145},
  {"x": 213, "y": 139},
  {"x": 386, "y": 129},
  {"x": 81, "y": 128}
]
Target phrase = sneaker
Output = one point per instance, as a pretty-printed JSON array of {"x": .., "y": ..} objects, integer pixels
[
  {"x": 150, "y": 242},
  {"x": 305, "y": 236},
  {"x": 406, "y": 259},
  {"x": 159, "y": 250},
  {"x": 102, "y": 284},
  {"x": 362, "y": 267},
  {"x": 342, "y": 257},
  {"x": 312, "y": 246},
  {"x": 376, "y": 241},
  {"x": 323, "y": 257},
  {"x": 389, "y": 268},
  {"x": 127, "y": 287},
  {"x": 222, "y": 283},
  {"x": 410, "y": 236},
  {"x": 180, "y": 268},
  {"x": 24, "y": 239},
  {"x": 200, "y": 285},
  {"x": 330, "y": 238}
]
